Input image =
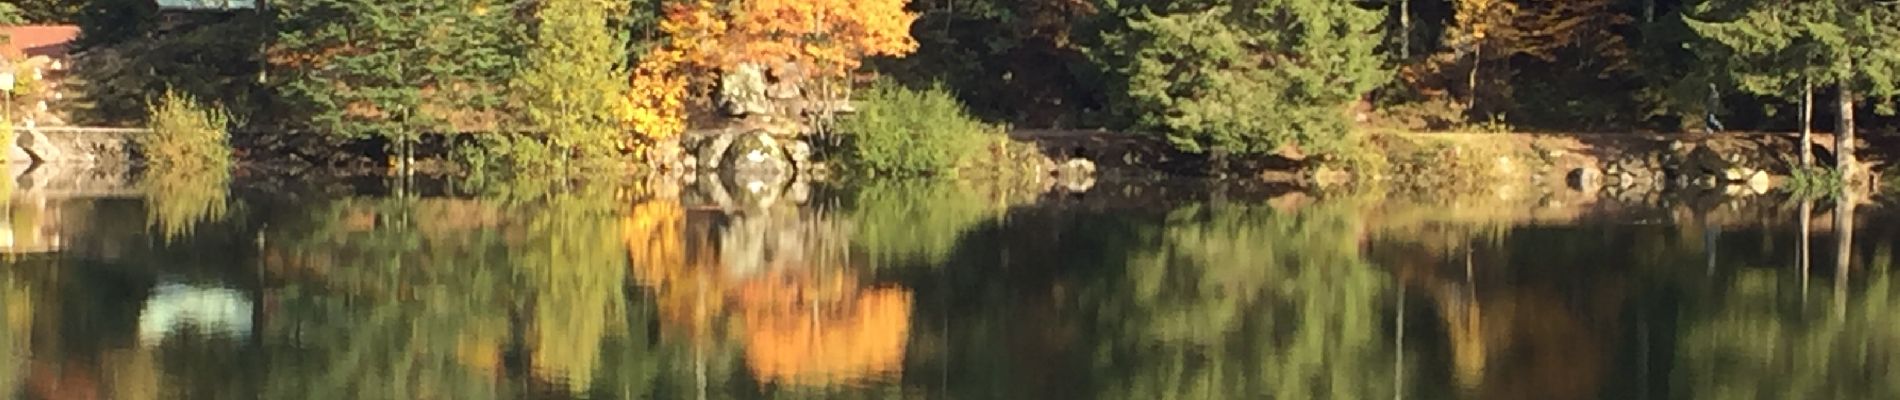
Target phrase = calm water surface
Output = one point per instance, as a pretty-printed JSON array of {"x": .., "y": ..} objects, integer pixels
[{"x": 920, "y": 290}]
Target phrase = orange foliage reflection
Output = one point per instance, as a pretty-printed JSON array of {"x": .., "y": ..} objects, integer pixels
[{"x": 804, "y": 322}]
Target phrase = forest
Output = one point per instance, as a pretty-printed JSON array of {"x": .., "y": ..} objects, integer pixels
[{"x": 571, "y": 83}]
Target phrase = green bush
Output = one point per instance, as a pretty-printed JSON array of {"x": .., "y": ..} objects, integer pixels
[
  {"x": 186, "y": 134},
  {"x": 899, "y": 131},
  {"x": 1814, "y": 182}
]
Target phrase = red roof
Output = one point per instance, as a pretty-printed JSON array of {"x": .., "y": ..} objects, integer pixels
[{"x": 37, "y": 40}]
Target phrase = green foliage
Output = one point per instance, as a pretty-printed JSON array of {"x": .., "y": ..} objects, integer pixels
[
  {"x": 904, "y": 222},
  {"x": 572, "y": 79},
  {"x": 177, "y": 201},
  {"x": 1760, "y": 338},
  {"x": 189, "y": 158},
  {"x": 1814, "y": 182},
  {"x": 1774, "y": 48},
  {"x": 44, "y": 11},
  {"x": 398, "y": 69},
  {"x": 10, "y": 15},
  {"x": 109, "y": 22},
  {"x": 185, "y": 134},
  {"x": 216, "y": 62},
  {"x": 1246, "y": 77},
  {"x": 1245, "y": 302},
  {"x": 899, "y": 131}
]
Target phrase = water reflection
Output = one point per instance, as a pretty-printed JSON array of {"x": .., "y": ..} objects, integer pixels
[
  {"x": 937, "y": 290},
  {"x": 29, "y": 224}
]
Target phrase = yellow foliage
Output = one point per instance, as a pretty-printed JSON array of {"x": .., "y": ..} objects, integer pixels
[
  {"x": 655, "y": 107},
  {"x": 825, "y": 38}
]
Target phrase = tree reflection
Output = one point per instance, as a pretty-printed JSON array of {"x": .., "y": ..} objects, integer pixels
[
  {"x": 773, "y": 282},
  {"x": 1246, "y": 302},
  {"x": 1758, "y": 340},
  {"x": 177, "y": 201},
  {"x": 423, "y": 298}
]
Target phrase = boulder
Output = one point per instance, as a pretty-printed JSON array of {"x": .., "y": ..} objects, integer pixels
[
  {"x": 1076, "y": 168},
  {"x": 39, "y": 148},
  {"x": 1585, "y": 179},
  {"x": 1759, "y": 182},
  {"x": 1705, "y": 160},
  {"x": 742, "y": 91}
]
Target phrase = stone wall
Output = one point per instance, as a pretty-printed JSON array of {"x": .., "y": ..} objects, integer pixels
[{"x": 70, "y": 146}]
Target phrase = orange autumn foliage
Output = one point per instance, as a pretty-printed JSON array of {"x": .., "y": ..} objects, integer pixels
[
  {"x": 655, "y": 107},
  {"x": 798, "y": 345},
  {"x": 822, "y": 38},
  {"x": 826, "y": 37}
]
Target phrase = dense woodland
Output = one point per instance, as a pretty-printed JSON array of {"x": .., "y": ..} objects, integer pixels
[{"x": 575, "y": 79}]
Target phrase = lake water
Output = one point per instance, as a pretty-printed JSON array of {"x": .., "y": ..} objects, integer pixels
[{"x": 372, "y": 290}]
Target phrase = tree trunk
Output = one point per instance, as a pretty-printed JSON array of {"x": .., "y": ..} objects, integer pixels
[
  {"x": 1844, "y": 248},
  {"x": 1471, "y": 83},
  {"x": 1803, "y": 250},
  {"x": 1844, "y": 137},
  {"x": 1405, "y": 30},
  {"x": 1807, "y": 125}
]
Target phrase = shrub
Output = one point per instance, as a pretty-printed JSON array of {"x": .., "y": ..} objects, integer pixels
[
  {"x": 905, "y": 132},
  {"x": 1814, "y": 182},
  {"x": 186, "y": 135}
]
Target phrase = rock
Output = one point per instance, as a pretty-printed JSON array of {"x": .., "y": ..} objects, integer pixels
[
  {"x": 18, "y": 155},
  {"x": 713, "y": 152},
  {"x": 1325, "y": 176},
  {"x": 1759, "y": 182},
  {"x": 743, "y": 91},
  {"x": 1076, "y": 167},
  {"x": 42, "y": 150},
  {"x": 799, "y": 151},
  {"x": 1707, "y": 161},
  {"x": 1734, "y": 174},
  {"x": 1706, "y": 181},
  {"x": 1585, "y": 179}
]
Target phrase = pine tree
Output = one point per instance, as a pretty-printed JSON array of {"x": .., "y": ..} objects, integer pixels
[
  {"x": 1784, "y": 48},
  {"x": 398, "y": 69},
  {"x": 1245, "y": 77}
]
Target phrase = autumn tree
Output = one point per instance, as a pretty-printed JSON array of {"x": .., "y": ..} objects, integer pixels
[
  {"x": 821, "y": 40},
  {"x": 571, "y": 83}
]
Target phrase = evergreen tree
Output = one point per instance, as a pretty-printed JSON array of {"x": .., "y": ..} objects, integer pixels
[
  {"x": 1782, "y": 48},
  {"x": 397, "y": 69},
  {"x": 1244, "y": 77}
]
